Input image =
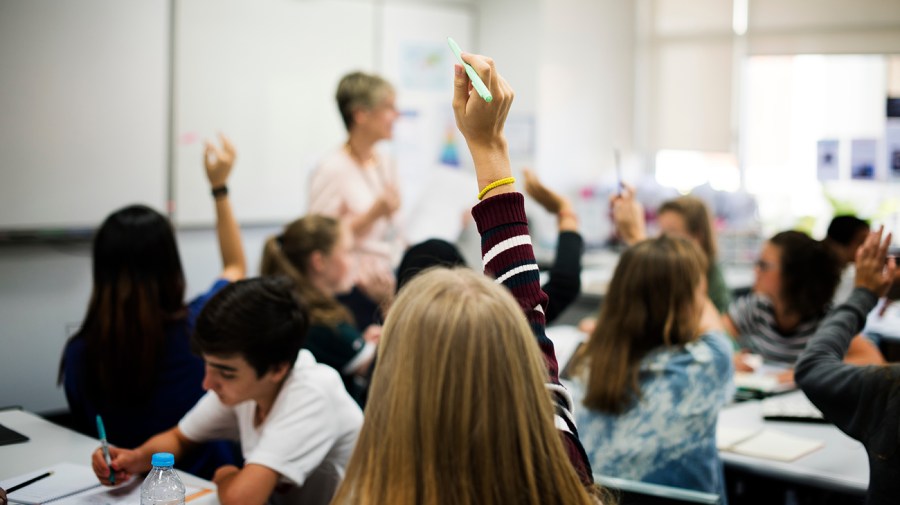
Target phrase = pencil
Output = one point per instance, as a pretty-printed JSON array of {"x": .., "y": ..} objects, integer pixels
[{"x": 28, "y": 482}]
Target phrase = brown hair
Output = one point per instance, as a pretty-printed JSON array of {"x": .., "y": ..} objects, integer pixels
[
  {"x": 810, "y": 273},
  {"x": 138, "y": 293},
  {"x": 698, "y": 220},
  {"x": 289, "y": 253},
  {"x": 458, "y": 412},
  {"x": 359, "y": 90},
  {"x": 650, "y": 303}
]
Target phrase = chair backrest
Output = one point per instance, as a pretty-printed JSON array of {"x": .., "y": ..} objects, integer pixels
[
  {"x": 631, "y": 492},
  {"x": 320, "y": 485}
]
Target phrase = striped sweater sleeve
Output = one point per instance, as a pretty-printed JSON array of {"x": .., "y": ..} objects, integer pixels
[{"x": 509, "y": 257}]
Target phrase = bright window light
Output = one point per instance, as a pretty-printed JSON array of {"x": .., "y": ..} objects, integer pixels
[{"x": 685, "y": 170}]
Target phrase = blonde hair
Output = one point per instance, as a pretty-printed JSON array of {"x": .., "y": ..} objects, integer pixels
[
  {"x": 651, "y": 302},
  {"x": 359, "y": 90},
  {"x": 697, "y": 220},
  {"x": 288, "y": 254},
  {"x": 458, "y": 412}
]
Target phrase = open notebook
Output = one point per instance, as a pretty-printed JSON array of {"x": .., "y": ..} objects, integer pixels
[
  {"x": 72, "y": 484},
  {"x": 765, "y": 443}
]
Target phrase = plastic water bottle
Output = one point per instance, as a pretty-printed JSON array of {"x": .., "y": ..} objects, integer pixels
[{"x": 162, "y": 486}]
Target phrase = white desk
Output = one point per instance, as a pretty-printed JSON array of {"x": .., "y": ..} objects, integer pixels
[
  {"x": 842, "y": 465},
  {"x": 886, "y": 326},
  {"x": 50, "y": 444}
]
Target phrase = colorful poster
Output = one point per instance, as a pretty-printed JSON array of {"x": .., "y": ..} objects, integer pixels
[
  {"x": 827, "y": 160},
  {"x": 892, "y": 148},
  {"x": 863, "y": 156}
]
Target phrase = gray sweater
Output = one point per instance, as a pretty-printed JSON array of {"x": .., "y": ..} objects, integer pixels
[{"x": 863, "y": 401}]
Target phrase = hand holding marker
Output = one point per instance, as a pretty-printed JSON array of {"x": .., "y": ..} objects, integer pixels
[{"x": 477, "y": 83}]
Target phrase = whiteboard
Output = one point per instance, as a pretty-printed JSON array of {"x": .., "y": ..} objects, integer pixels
[
  {"x": 265, "y": 73},
  {"x": 83, "y": 110}
]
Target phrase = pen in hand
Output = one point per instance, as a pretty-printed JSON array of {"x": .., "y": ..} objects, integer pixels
[{"x": 105, "y": 445}]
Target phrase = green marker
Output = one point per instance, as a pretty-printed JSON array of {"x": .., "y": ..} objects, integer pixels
[{"x": 477, "y": 83}]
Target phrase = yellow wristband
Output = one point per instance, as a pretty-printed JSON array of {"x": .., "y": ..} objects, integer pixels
[{"x": 496, "y": 184}]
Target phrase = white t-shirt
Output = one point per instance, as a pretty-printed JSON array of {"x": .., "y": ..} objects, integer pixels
[{"x": 312, "y": 421}]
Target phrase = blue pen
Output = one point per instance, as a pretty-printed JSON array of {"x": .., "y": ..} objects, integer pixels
[{"x": 105, "y": 445}]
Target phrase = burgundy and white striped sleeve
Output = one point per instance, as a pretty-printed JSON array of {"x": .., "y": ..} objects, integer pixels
[{"x": 508, "y": 257}]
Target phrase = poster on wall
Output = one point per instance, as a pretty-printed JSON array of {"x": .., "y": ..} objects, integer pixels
[
  {"x": 827, "y": 160},
  {"x": 892, "y": 148},
  {"x": 863, "y": 156}
]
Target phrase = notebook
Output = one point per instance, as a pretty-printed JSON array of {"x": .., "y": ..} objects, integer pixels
[
  {"x": 791, "y": 407},
  {"x": 68, "y": 479},
  {"x": 765, "y": 443},
  {"x": 73, "y": 484}
]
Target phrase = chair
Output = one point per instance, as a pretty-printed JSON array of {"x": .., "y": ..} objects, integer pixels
[
  {"x": 320, "y": 485},
  {"x": 631, "y": 492}
]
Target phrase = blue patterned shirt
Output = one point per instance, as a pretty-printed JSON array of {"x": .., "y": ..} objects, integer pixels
[{"x": 669, "y": 436}]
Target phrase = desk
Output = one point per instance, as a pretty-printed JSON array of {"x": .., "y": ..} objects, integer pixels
[
  {"x": 842, "y": 465},
  {"x": 52, "y": 444}
]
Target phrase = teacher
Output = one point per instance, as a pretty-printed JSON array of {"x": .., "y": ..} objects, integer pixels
[{"x": 358, "y": 185}]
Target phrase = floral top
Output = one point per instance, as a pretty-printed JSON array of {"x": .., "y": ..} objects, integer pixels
[{"x": 669, "y": 436}]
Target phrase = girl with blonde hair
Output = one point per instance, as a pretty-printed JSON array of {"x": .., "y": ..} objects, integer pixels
[
  {"x": 313, "y": 252},
  {"x": 464, "y": 408},
  {"x": 655, "y": 371}
]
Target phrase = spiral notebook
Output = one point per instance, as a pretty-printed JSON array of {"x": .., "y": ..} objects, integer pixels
[{"x": 67, "y": 480}]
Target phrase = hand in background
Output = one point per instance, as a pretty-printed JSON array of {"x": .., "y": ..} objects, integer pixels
[
  {"x": 874, "y": 271},
  {"x": 388, "y": 202},
  {"x": 372, "y": 334},
  {"x": 218, "y": 162},
  {"x": 628, "y": 216},
  {"x": 3, "y": 500},
  {"x": 551, "y": 201},
  {"x": 378, "y": 286},
  {"x": 741, "y": 361}
]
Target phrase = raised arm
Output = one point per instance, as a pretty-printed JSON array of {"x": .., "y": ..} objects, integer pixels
[
  {"x": 852, "y": 397},
  {"x": 218, "y": 164},
  {"x": 500, "y": 217},
  {"x": 564, "y": 284},
  {"x": 628, "y": 216}
]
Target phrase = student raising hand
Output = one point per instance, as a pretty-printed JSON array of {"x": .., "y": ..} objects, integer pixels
[
  {"x": 218, "y": 161},
  {"x": 873, "y": 271},
  {"x": 481, "y": 123}
]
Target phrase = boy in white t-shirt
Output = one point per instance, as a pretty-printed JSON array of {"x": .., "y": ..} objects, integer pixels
[{"x": 291, "y": 414}]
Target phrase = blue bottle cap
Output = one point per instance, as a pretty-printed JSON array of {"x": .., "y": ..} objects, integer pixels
[{"x": 163, "y": 459}]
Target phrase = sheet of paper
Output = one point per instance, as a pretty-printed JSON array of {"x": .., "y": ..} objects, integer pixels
[
  {"x": 728, "y": 437},
  {"x": 777, "y": 445}
]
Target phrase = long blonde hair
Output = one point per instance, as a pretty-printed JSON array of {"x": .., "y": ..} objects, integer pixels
[
  {"x": 289, "y": 254},
  {"x": 458, "y": 412},
  {"x": 651, "y": 302}
]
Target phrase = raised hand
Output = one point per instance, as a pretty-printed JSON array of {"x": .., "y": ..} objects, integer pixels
[
  {"x": 628, "y": 216},
  {"x": 218, "y": 161},
  {"x": 481, "y": 123},
  {"x": 874, "y": 271},
  {"x": 553, "y": 202}
]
